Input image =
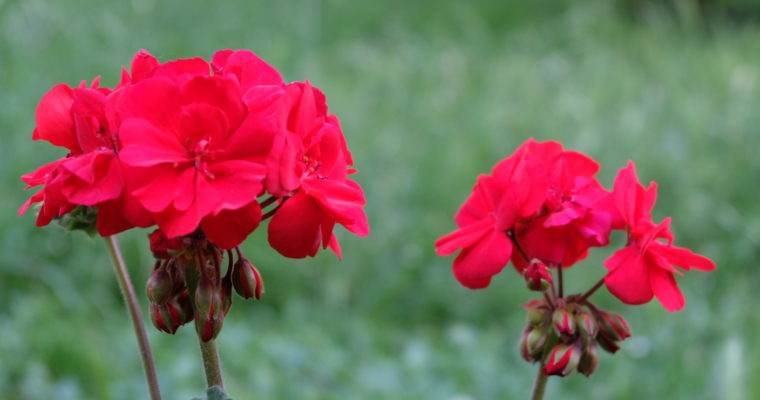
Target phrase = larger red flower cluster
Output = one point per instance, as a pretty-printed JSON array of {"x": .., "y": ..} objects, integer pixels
[
  {"x": 191, "y": 146},
  {"x": 544, "y": 203}
]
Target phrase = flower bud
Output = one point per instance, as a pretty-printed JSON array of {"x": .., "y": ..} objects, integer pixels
[
  {"x": 166, "y": 317},
  {"x": 247, "y": 280},
  {"x": 589, "y": 360},
  {"x": 209, "y": 313},
  {"x": 185, "y": 304},
  {"x": 532, "y": 344},
  {"x": 613, "y": 329},
  {"x": 587, "y": 326},
  {"x": 538, "y": 312},
  {"x": 563, "y": 359},
  {"x": 160, "y": 285},
  {"x": 563, "y": 321},
  {"x": 537, "y": 276}
]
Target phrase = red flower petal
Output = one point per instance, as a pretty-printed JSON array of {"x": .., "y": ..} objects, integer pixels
[
  {"x": 666, "y": 289},
  {"x": 156, "y": 100},
  {"x": 145, "y": 144},
  {"x": 463, "y": 237},
  {"x": 54, "y": 122},
  {"x": 476, "y": 265},
  {"x": 633, "y": 201},
  {"x": 294, "y": 230},
  {"x": 144, "y": 66},
  {"x": 628, "y": 277},
  {"x": 249, "y": 69},
  {"x": 217, "y": 91},
  {"x": 684, "y": 258},
  {"x": 97, "y": 178},
  {"x": 229, "y": 228}
]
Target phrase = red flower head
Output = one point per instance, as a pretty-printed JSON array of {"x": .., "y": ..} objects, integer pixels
[
  {"x": 183, "y": 133},
  {"x": 644, "y": 268},
  {"x": 575, "y": 215},
  {"x": 308, "y": 168}
]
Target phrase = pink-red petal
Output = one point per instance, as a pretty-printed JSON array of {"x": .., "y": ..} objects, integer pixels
[
  {"x": 476, "y": 265},
  {"x": 628, "y": 276}
]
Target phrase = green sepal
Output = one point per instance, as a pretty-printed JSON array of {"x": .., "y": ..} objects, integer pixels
[{"x": 82, "y": 218}]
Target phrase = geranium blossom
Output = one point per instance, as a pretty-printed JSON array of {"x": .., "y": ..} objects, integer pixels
[
  {"x": 308, "y": 168},
  {"x": 545, "y": 198},
  {"x": 645, "y": 267},
  {"x": 91, "y": 174}
]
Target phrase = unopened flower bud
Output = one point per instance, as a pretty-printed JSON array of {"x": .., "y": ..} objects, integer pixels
[
  {"x": 589, "y": 360},
  {"x": 537, "y": 276},
  {"x": 563, "y": 321},
  {"x": 563, "y": 359},
  {"x": 613, "y": 329},
  {"x": 247, "y": 280},
  {"x": 532, "y": 344},
  {"x": 587, "y": 326},
  {"x": 160, "y": 285},
  {"x": 537, "y": 311},
  {"x": 209, "y": 313},
  {"x": 185, "y": 304},
  {"x": 166, "y": 317}
]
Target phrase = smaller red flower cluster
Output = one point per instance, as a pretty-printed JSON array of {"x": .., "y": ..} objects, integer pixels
[
  {"x": 544, "y": 203},
  {"x": 190, "y": 146}
]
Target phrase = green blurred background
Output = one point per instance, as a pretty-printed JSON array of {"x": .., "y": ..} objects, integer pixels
[{"x": 430, "y": 93}]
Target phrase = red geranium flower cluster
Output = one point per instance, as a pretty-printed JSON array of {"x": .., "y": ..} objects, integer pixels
[
  {"x": 190, "y": 145},
  {"x": 542, "y": 208},
  {"x": 200, "y": 149}
]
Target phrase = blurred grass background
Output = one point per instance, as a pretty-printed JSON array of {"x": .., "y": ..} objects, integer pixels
[{"x": 430, "y": 93}]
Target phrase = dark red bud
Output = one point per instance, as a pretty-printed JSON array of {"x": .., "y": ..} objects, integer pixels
[
  {"x": 247, "y": 280},
  {"x": 166, "y": 317},
  {"x": 209, "y": 312},
  {"x": 160, "y": 286}
]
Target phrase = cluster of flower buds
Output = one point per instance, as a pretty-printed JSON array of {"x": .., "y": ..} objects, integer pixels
[
  {"x": 187, "y": 283},
  {"x": 565, "y": 333}
]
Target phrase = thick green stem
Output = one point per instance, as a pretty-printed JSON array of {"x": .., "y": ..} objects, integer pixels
[
  {"x": 211, "y": 363},
  {"x": 133, "y": 307},
  {"x": 540, "y": 385}
]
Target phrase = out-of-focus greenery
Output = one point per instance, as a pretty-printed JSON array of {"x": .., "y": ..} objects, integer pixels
[{"x": 430, "y": 94}]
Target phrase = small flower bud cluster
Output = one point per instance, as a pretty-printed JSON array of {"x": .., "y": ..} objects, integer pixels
[
  {"x": 187, "y": 284},
  {"x": 170, "y": 305},
  {"x": 565, "y": 333}
]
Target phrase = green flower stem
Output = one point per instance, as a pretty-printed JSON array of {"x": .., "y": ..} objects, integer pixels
[
  {"x": 211, "y": 363},
  {"x": 133, "y": 307},
  {"x": 540, "y": 385}
]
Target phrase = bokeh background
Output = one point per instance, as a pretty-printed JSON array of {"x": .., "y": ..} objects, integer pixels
[{"x": 430, "y": 93}]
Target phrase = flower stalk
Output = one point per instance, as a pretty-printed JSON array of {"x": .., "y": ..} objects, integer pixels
[
  {"x": 133, "y": 308},
  {"x": 211, "y": 364},
  {"x": 539, "y": 386}
]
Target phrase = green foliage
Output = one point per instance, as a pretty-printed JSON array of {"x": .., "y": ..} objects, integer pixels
[{"x": 430, "y": 94}]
